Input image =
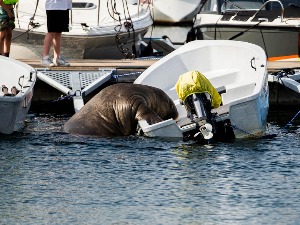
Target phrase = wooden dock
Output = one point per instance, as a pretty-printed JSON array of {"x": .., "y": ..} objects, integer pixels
[
  {"x": 278, "y": 65},
  {"x": 94, "y": 64}
]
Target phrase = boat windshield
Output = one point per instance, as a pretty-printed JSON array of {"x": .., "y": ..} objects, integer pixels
[
  {"x": 241, "y": 5},
  {"x": 218, "y": 6}
]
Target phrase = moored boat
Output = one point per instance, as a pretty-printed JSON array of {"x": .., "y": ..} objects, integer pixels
[
  {"x": 98, "y": 29},
  {"x": 17, "y": 80},
  {"x": 274, "y": 25},
  {"x": 236, "y": 70}
]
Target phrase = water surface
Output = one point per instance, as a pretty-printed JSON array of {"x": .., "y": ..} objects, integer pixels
[{"x": 48, "y": 177}]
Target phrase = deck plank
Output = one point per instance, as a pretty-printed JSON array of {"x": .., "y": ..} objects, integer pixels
[
  {"x": 277, "y": 65},
  {"x": 95, "y": 64}
]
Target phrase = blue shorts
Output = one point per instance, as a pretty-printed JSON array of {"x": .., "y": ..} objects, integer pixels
[
  {"x": 58, "y": 20},
  {"x": 4, "y": 20}
]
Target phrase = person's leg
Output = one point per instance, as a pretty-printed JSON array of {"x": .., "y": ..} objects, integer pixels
[
  {"x": 48, "y": 43},
  {"x": 60, "y": 21},
  {"x": 46, "y": 60},
  {"x": 56, "y": 45},
  {"x": 57, "y": 59},
  {"x": 7, "y": 42},
  {"x": 2, "y": 38}
]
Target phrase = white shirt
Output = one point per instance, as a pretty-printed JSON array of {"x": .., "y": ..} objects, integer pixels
[{"x": 58, "y": 4}]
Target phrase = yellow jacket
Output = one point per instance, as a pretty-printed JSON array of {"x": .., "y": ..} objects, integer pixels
[{"x": 194, "y": 82}]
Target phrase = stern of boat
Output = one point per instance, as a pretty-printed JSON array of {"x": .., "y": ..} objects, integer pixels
[{"x": 14, "y": 108}]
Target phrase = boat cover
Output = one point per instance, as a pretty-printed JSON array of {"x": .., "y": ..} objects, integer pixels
[{"x": 193, "y": 82}]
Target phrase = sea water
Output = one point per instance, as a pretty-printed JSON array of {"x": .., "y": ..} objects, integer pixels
[{"x": 49, "y": 177}]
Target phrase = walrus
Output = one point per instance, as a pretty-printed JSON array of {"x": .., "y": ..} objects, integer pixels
[{"x": 116, "y": 110}]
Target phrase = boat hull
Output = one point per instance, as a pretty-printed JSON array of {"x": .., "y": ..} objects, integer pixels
[
  {"x": 97, "y": 30},
  {"x": 13, "y": 114},
  {"x": 85, "y": 47},
  {"x": 256, "y": 111},
  {"x": 14, "y": 109},
  {"x": 175, "y": 11},
  {"x": 272, "y": 25},
  {"x": 272, "y": 39}
]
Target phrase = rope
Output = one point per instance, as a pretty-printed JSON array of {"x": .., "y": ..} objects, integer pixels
[
  {"x": 128, "y": 24},
  {"x": 116, "y": 77},
  {"x": 242, "y": 32},
  {"x": 36, "y": 6},
  {"x": 67, "y": 97},
  {"x": 34, "y": 25},
  {"x": 284, "y": 73},
  {"x": 246, "y": 132},
  {"x": 282, "y": 129},
  {"x": 31, "y": 23},
  {"x": 62, "y": 98},
  {"x": 127, "y": 74},
  {"x": 292, "y": 119}
]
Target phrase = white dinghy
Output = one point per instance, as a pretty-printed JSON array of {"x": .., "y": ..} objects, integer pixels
[
  {"x": 17, "y": 80},
  {"x": 99, "y": 29},
  {"x": 238, "y": 73}
]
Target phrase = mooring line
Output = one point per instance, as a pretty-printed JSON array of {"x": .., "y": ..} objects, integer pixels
[{"x": 292, "y": 119}]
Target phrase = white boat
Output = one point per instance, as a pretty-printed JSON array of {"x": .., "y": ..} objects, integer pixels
[
  {"x": 237, "y": 70},
  {"x": 274, "y": 25},
  {"x": 14, "y": 108},
  {"x": 174, "y": 11},
  {"x": 98, "y": 29}
]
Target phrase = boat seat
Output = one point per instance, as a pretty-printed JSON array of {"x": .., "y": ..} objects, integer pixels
[
  {"x": 183, "y": 121},
  {"x": 221, "y": 113},
  {"x": 221, "y": 78},
  {"x": 237, "y": 89},
  {"x": 172, "y": 93},
  {"x": 221, "y": 89},
  {"x": 223, "y": 109}
]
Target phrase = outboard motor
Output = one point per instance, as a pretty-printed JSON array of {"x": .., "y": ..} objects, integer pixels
[
  {"x": 198, "y": 108},
  {"x": 199, "y": 96}
]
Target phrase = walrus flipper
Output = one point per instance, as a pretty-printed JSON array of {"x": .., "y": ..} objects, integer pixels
[{"x": 145, "y": 113}]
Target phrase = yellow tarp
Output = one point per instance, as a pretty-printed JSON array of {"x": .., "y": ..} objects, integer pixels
[{"x": 194, "y": 82}]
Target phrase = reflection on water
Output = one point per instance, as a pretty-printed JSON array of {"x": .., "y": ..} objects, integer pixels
[{"x": 48, "y": 177}]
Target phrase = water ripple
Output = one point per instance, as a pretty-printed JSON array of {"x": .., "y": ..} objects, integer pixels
[{"x": 49, "y": 177}]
